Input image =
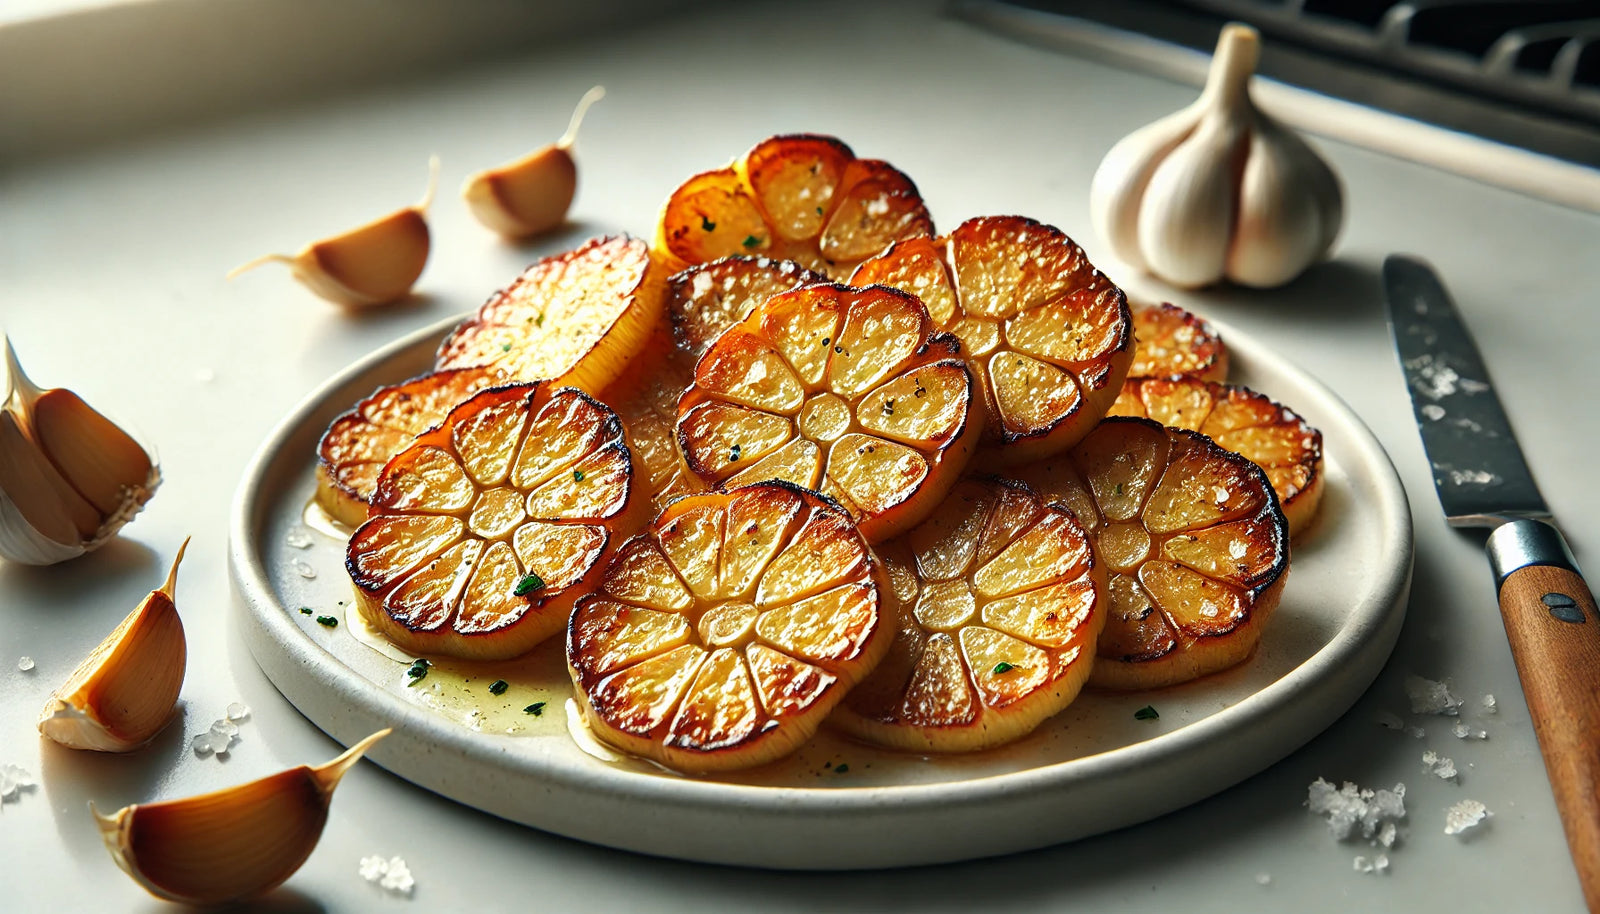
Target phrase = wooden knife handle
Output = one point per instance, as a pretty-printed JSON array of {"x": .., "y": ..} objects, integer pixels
[{"x": 1554, "y": 629}]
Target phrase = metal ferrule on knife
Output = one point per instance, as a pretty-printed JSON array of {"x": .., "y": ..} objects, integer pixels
[{"x": 1516, "y": 545}]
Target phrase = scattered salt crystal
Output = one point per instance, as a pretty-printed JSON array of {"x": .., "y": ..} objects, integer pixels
[
  {"x": 1350, "y": 806},
  {"x": 392, "y": 875},
  {"x": 1381, "y": 863},
  {"x": 1435, "y": 764},
  {"x": 224, "y": 727},
  {"x": 1389, "y": 721},
  {"x": 1464, "y": 815},
  {"x": 304, "y": 570},
  {"x": 1263, "y": 879},
  {"x": 1430, "y": 697},
  {"x": 1362, "y": 865},
  {"x": 238, "y": 711},
  {"x": 13, "y": 781},
  {"x": 221, "y": 735},
  {"x": 25, "y": 664},
  {"x": 1462, "y": 731},
  {"x": 204, "y": 375},
  {"x": 294, "y": 539},
  {"x": 1387, "y": 834},
  {"x": 1417, "y": 732},
  {"x": 201, "y": 745},
  {"x": 1489, "y": 705}
]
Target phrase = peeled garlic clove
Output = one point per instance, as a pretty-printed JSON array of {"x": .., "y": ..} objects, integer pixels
[
  {"x": 126, "y": 690},
  {"x": 69, "y": 477},
  {"x": 231, "y": 844},
  {"x": 531, "y": 194},
  {"x": 1218, "y": 190},
  {"x": 375, "y": 264}
]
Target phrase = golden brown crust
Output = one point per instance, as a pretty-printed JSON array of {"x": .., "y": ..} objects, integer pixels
[{"x": 1174, "y": 342}]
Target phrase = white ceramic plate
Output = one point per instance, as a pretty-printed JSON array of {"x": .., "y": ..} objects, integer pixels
[{"x": 834, "y": 804}]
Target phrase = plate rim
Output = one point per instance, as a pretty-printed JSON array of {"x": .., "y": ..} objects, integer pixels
[{"x": 254, "y": 598}]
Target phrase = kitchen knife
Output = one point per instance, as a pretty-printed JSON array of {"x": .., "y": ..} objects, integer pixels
[{"x": 1483, "y": 481}]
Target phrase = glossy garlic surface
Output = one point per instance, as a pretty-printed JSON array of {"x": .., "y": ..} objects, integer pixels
[{"x": 724, "y": 633}]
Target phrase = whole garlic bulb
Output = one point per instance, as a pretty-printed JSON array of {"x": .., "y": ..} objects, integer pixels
[{"x": 1218, "y": 190}]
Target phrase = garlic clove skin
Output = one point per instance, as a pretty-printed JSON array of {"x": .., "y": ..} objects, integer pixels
[
  {"x": 1192, "y": 187},
  {"x": 231, "y": 844},
  {"x": 530, "y": 195},
  {"x": 373, "y": 264},
  {"x": 69, "y": 477},
  {"x": 1290, "y": 209},
  {"x": 126, "y": 691},
  {"x": 1120, "y": 181},
  {"x": 1218, "y": 190}
]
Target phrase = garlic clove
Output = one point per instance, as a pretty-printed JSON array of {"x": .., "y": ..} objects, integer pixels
[
  {"x": 1189, "y": 204},
  {"x": 1120, "y": 181},
  {"x": 530, "y": 195},
  {"x": 374, "y": 264},
  {"x": 231, "y": 844},
  {"x": 1279, "y": 223},
  {"x": 126, "y": 690},
  {"x": 69, "y": 477}
]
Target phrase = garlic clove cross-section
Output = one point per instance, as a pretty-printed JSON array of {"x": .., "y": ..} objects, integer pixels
[
  {"x": 374, "y": 264},
  {"x": 231, "y": 844},
  {"x": 126, "y": 690},
  {"x": 1218, "y": 190},
  {"x": 69, "y": 477},
  {"x": 530, "y": 195}
]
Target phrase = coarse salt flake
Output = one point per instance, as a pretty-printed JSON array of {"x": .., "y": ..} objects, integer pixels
[
  {"x": 1349, "y": 807},
  {"x": 1462, "y": 731},
  {"x": 304, "y": 570},
  {"x": 1489, "y": 705},
  {"x": 1439, "y": 766},
  {"x": 1263, "y": 879},
  {"x": 1467, "y": 814},
  {"x": 25, "y": 664},
  {"x": 391, "y": 875},
  {"x": 294, "y": 539},
  {"x": 1430, "y": 697},
  {"x": 14, "y": 780},
  {"x": 238, "y": 711}
]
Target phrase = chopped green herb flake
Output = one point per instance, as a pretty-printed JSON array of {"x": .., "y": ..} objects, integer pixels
[
  {"x": 417, "y": 670},
  {"x": 1117, "y": 489},
  {"x": 1147, "y": 712},
  {"x": 841, "y": 769},
  {"x": 577, "y": 476},
  {"x": 707, "y": 224},
  {"x": 751, "y": 241},
  {"x": 498, "y": 687},
  {"x": 1003, "y": 667},
  {"x": 329, "y": 621},
  {"x": 819, "y": 210},
  {"x": 505, "y": 347},
  {"x": 305, "y": 610},
  {"x": 733, "y": 453},
  {"x": 536, "y": 709},
  {"x": 539, "y": 321},
  {"x": 888, "y": 406},
  {"x": 528, "y": 584}
]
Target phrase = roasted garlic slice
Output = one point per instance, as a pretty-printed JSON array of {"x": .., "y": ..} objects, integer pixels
[
  {"x": 1048, "y": 336},
  {"x": 231, "y": 844},
  {"x": 575, "y": 318},
  {"x": 1001, "y": 602},
  {"x": 126, "y": 690},
  {"x": 1174, "y": 342},
  {"x": 846, "y": 391},
  {"x": 69, "y": 477},
  {"x": 802, "y": 197},
  {"x": 707, "y": 299},
  {"x": 374, "y": 264},
  {"x": 580, "y": 317},
  {"x": 531, "y": 194},
  {"x": 486, "y": 528},
  {"x": 1270, "y": 435},
  {"x": 1194, "y": 542},
  {"x": 724, "y": 634}
]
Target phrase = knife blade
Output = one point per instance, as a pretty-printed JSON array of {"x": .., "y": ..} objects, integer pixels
[{"x": 1483, "y": 480}]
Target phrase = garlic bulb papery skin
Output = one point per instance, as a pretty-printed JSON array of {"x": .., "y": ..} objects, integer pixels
[
  {"x": 530, "y": 195},
  {"x": 232, "y": 844},
  {"x": 373, "y": 264},
  {"x": 69, "y": 477},
  {"x": 1218, "y": 190},
  {"x": 126, "y": 691}
]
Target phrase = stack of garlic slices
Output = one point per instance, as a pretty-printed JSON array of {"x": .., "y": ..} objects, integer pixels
[{"x": 803, "y": 461}]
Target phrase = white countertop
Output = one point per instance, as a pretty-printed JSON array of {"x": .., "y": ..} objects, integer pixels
[{"x": 111, "y": 266}]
